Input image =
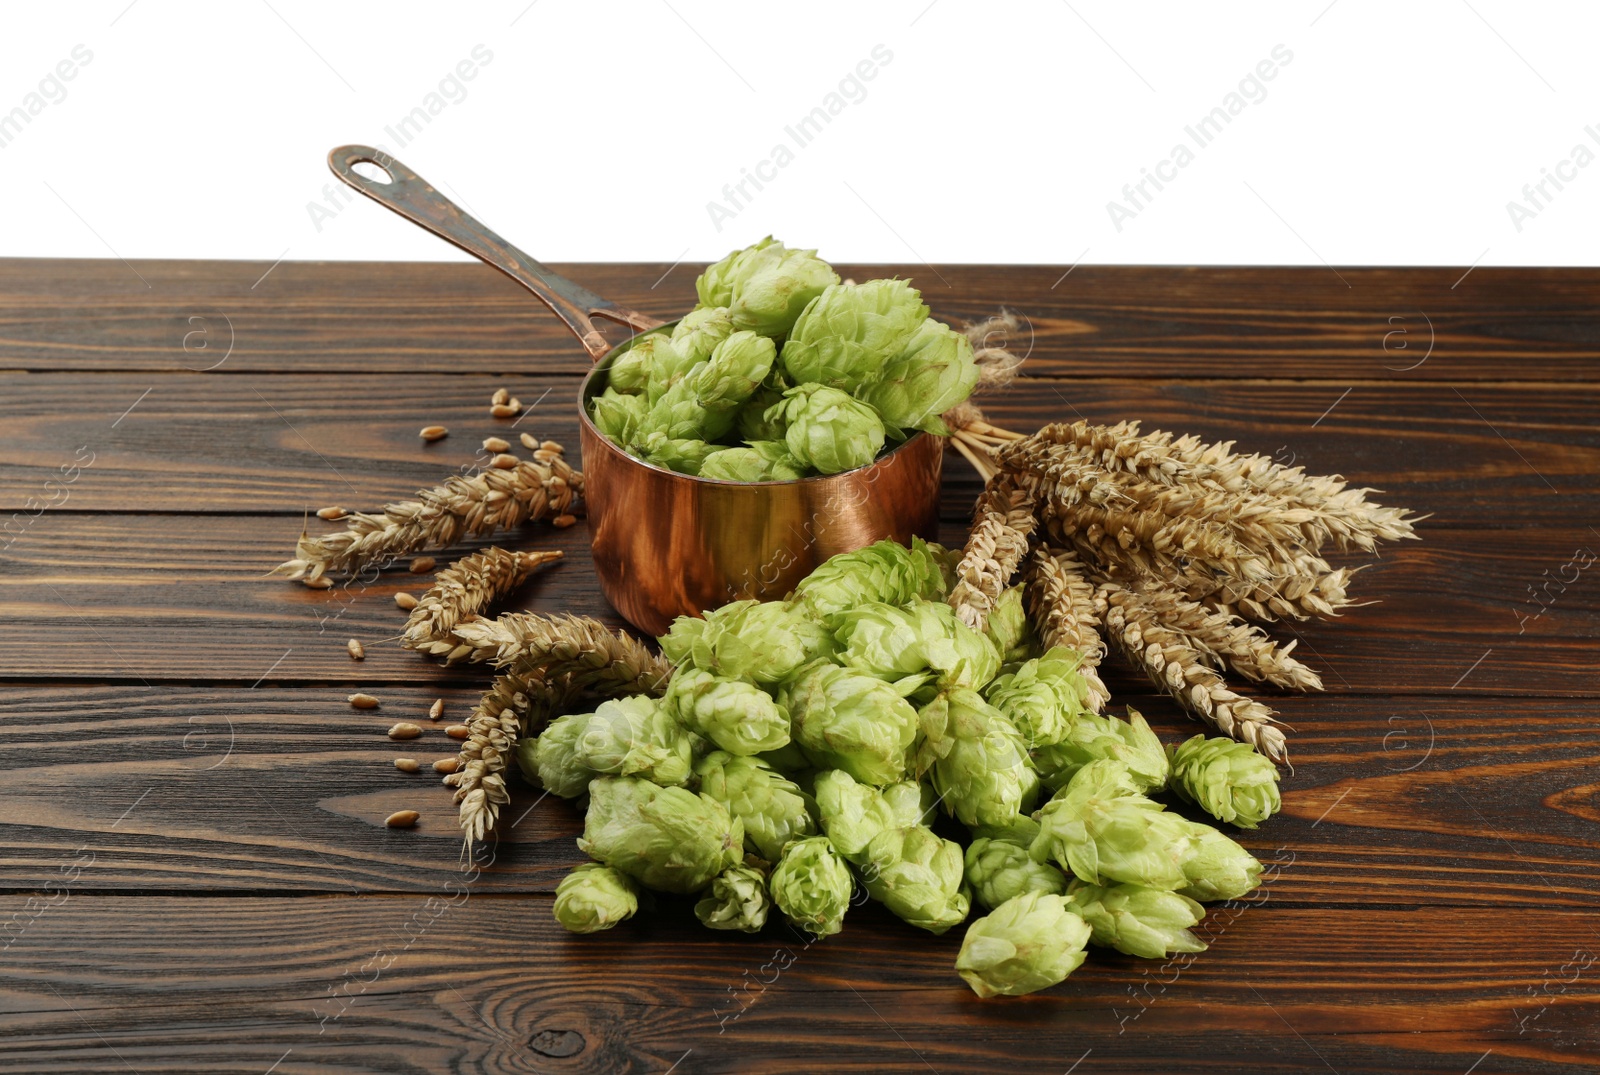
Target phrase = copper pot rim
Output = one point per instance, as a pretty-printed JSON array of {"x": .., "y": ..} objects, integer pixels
[{"x": 591, "y": 387}]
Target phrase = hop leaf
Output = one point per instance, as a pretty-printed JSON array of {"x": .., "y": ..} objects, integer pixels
[
  {"x": 1028, "y": 943},
  {"x": 918, "y": 876},
  {"x": 1147, "y": 922},
  {"x": 847, "y": 333},
  {"x": 977, "y": 759},
  {"x": 934, "y": 373},
  {"x": 998, "y": 866},
  {"x": 1044, "y": 697},
  {"x": 1227, "y": 779},
  {"x": 771, "y": 807},
  {"x": 811, "y": 885},
  {"x": 553, "y": 758},
  {"x": 762, "y": 461},
  {"x": 765, "y": 286},
  {"x": 892, "y": 642},
  {"x": 886, "y": 572},
  {"x": 763, "y": 641},
  {"x": 827, "y": 430},
  {"x": 845, "y": 720},
  {"x": 669, "y": 838},
  {"x": 854, "y": 813},
  {"x": 1008, "y": 625},
  {"x": 737, "y": 899},
  {"x": 636, "y": 737},
  {"x": 739, "y": 717},
  {"x": 594, "y": 897},
  {"x": 1092, "y": 736}
]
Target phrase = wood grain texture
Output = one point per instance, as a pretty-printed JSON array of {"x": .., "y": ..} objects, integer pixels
[
  {"x": 1144, "y": 321},
  {"x": 194, "y": 870},
  {"x": 460, "y": 982}
]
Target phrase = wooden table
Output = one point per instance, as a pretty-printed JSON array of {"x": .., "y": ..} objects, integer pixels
[{"x": 196, "y": 872}]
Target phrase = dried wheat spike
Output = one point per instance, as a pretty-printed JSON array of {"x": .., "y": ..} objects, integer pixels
[
  {"x": 461, "y": 507},
  {"x": 463, "y": 591},
  {"x": 1061, "y": 602},
  {"x": 1002, "y": 527},
  {"x": 1119, "y": 449},
  {"x": 601, "y": 661},
  {"x": 1056, "y": 474},
  {"x": 1175, "y": 667},
  {"x": 517, "y": 704},
  {"x": 1221, "y": 637}
]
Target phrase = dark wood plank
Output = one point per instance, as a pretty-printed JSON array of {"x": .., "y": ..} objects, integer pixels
[
  {"x": 183, "y": 597},
  {"x": 1133, "y": 321},
  {"x": 1511, "y": 455},
  {"x": 1438, "y": 800},
  {"x": 453, "y": 983}
]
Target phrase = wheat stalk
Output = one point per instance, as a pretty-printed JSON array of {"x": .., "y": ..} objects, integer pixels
[
  {"x": 1176, "y": 667},
  {"x": 463, "y": 591},
  {"x": 463, "y": 506},
  {"x": 1003, "y": 525},
  {"x": 1061, "y": 601}
]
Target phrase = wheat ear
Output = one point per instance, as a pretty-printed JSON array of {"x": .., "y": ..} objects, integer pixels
[
  {"x": 1061, "y": 602},
  {"x": 1003, "y": 525},
  {"x": 465, "y": 590}
]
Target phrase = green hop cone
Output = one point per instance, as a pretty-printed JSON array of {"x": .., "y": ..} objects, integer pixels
[
  {"x": 633, "y": 369},
  {"x": 618, "y": 416},
  {"x": 1100, "y": 828},
  {"x": 977, "y": 759},
  {"x": 845, "y": 720},
  {"x": 680, "y": 415},
  {"x": 682, "y": 455},
  {"x": 1028, "y": 943},
  {"x": 553, "y": 758},
  {"x": 1008, "y": 625},
  {"x": 917, "y": 875},
  {"x": 1147, "y": 922},
  {"x": 1044, "y": 697},
  {"x": 886, "y": 572},
  {"x": 737, "y": 899},
  {"x": 594, "y": 897},
  {"x": 827, "y": 430},
  {"x": 934, "y": 373},
  {"x": 697, "y": 334},
  {"x": 765, "y": 286},
  {"x": 892, "y": 642},
  {"x": 845, "y": 335},
  {"x": 811, "y": 885},
  {"x": 762, "y": 461},
  {"x": 854, "y": 813},
  {"x": 998, "y": 866},
  {"x": 738, "y": 717},
  {"x": 771, "y": 807},
  {"x": 1215, "y": 866},
  {"x": 736, "y": 368},
  {"x": 1092, "y": 736},
  {"x": 1228, "y": 780},
  {"x": 669, "y": 838},
  {"x": 763, "y": 641},
  {"x": 636, "y": 737}
]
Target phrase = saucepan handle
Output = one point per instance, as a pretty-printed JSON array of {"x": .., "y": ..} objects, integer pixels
[{"x": 414, "y": 198}]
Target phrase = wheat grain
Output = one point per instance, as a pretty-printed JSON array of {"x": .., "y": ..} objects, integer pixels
[
  {"x": 463, "y": 506},
  {"x": 363, "y": 701},
  {"x": 407, "y": 765},
  {"x": 404, "y": 730},
  {"x": 331, "y": 513},
  {"x": 500, "y": 396},
  {"x": 433, "y": 433},
  {"x": 358, "y": 652},
  {"x": 402, "y": 819},
  {"x": 530, "y": 442},
  {"x": 447, "y": 765},
  {"x": 422, "y": 565},
  {"x": 504, "y": 410},
  {"x": 436, "y": 710},
  {"x": 405, "y": 601},
  {"x": 496, "y": 444}
]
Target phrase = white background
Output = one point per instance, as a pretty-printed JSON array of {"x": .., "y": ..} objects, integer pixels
[{"x": 998, "y": 132}]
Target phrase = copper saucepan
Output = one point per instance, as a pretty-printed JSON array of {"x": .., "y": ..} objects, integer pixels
[{"x": 668, "y": 544}]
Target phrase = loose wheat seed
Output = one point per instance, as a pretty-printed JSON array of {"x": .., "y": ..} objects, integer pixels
[
  {"x": 331, "y": 513},
  {"x": 504, "y": 410},
  {"x": 405, "y": 601},
  {"x": 363, "y": 701},
  {"x": 433, "y": 433},
  {"x": 529, "y": 441},
  {"x": 504, "y": 462},
  {"x": 458, "y": 731},
  {"x": 404, "y": 730},
  {"x": 496, "y": 444},
  {"x": 447, "y": 765},
  {"x": 561, "y": 522},
  {"x": 550, "y": 446},
  {"x": 422, "y": 565},
  {"x": 321, "y": 582},
  {"x": 436, "y": 710},
  {"x": 500, "y": 396},
  {"x": 514, "y": 403},
  {"x": 358, "y": 652},
  {"x": 402, "y": 819},
  {"x": 407, "y": 765}
]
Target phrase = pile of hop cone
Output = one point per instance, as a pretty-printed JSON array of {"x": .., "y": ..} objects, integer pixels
[{"x": 1167, "y": 547}]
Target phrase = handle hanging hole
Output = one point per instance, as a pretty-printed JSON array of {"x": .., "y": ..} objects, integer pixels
[{"x": 372, "y": 170}]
